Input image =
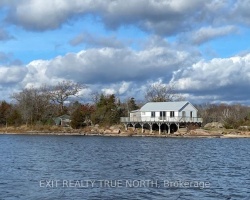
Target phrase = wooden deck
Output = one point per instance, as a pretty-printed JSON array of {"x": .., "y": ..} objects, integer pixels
[
  {"x": 161, "y": 119},
  {"x": 168, "y": 121}
]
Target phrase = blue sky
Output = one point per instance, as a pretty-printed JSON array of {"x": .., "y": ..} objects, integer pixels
[{"x": 121, "y": 47}]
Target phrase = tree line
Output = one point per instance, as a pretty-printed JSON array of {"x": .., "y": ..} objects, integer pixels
[
  {"x": 33, "y": 106},
  {"x": 41, "y": 105}
]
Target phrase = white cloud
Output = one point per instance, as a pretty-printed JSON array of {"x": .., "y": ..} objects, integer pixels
[
  {"x": 205, "y": 34},
  {"x": 225, "y": 79},
  {"x": 124, "y": 87},
  {"x": 161, "y": 17},
  {"x": 12, "y": 75},
  {"x": 228, "y": 77},
  {"x": 240, "y": 12},
  {"x": 108, "y": 65},
  {"x": 91, "y": 40},
  {"x": 120, "y": 71}
]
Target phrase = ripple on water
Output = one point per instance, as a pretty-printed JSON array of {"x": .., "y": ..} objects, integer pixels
[{"x": 26, "y": 160}]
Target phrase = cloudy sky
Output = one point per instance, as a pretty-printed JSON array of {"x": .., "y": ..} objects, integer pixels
[{"x": 123, "y": 46}]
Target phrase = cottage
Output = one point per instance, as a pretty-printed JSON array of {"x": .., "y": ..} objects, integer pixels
[
  {"x": 164, "y": 114},
  {"x": 63, "y": 120}
]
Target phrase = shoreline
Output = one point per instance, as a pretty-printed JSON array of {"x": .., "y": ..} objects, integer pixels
[
  {"x": 126, "y": 135},
  {"x": 119, "y": 131}
]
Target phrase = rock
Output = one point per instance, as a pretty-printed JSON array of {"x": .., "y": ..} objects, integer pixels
[
  {"x": 116, "y": 131},
  {"x": 107, "y": 131},
  {"x": 198, "y": 132},
  {"x": 182, "y": 131},
  {"x": 101, "y": 131},
  {"x": 214, "y": 125},
  {"x": 112, "y": 127}
]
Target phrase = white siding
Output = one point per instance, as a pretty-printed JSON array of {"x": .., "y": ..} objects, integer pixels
[
  {"x": 146, "y": 115},
  {"x": 188, "y": 109}
]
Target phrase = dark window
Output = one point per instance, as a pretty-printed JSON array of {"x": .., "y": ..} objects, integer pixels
[
  {"x": 191, "y": 114},
  {"x": 163, "y": 115},
  {"x": 171, "y": 113},
  {"x": 152, "y": 114}
]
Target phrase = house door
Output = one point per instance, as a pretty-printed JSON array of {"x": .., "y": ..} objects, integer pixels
[
  {"x": 163, "y": 115},
  {"x": 183, "y": 114}
]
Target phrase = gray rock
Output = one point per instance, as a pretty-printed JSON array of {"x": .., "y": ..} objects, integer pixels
[{"x": 214, "y": 125}]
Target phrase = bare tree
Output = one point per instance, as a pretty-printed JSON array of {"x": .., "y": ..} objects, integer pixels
[
  {"x": 33, "y": 104},
  {"x": 159, "y": 92},
  {"x": 63, "y": 90}
]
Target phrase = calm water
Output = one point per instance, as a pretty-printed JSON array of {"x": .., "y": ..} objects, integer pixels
[{"x": 61, "y": 167}]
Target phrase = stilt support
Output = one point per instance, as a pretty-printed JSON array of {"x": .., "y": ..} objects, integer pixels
[
  {"x": 142, "y": 124},
  {"x": 168, "y": 128},
  {"x": 133, "y": 124},
  {"x": 151, "y": 127},
  {"x": 178, "y": 126},
  {"x": 159, "y": 125},
  {"x": 126, "y": 126}
]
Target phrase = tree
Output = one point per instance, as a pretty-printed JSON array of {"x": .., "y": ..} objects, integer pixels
[
  {"x": 107, "y": 110},
  {"x": 15, "y": 117},
  {"x": 80, "y": 116},
  {"x": 33, "y": 104},
  {"x": 159, "y": 92},
  {"x": 77, "y": 118},
  {"x": 232, "y": 116},
  {"x": 63, "y": 90},
  {"x": 130, "y": 105},
  {"x": 5, "y": 109}
]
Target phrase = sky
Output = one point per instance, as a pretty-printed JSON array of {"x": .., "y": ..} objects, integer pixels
[{"x": 122, "y": 47}]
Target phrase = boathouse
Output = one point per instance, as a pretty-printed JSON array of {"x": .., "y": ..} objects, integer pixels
[{"x": 168, "y": 116}]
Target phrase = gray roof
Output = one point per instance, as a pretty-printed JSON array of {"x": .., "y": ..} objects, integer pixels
[{"x": 165, "y": 106}]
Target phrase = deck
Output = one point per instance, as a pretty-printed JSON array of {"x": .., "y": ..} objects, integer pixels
[
  {"x": 168, "y": 121},
  {"x": 161, "y": 119}
]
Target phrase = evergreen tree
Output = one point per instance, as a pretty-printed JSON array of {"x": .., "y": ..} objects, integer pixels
[
  {"x": 107, "y": 110},
  {"x": 77, "y": 118}
]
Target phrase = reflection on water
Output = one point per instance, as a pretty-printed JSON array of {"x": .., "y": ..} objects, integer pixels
[{"x": 80, "y": 167}]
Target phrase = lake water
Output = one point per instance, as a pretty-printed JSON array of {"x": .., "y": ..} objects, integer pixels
[{"x": 82, "y": 167}]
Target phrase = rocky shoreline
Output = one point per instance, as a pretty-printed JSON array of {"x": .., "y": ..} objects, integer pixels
[{"x": 119, "y": 131}]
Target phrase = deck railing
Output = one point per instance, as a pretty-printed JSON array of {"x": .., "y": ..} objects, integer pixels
[{"x": 160, "y": 119}]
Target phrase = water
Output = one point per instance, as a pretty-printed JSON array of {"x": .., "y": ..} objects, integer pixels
[{"x": 59, "y": 167}]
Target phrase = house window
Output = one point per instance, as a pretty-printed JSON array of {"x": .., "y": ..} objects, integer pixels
[
  {"x": 163, "y": 115},
  {"x": 191, "y": 114},
  {"x": 152, "y": 114},
  {"x": 171, "y": 113}
]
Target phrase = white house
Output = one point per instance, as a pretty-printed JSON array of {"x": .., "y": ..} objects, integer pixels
[{"x": 163, "y": 113}]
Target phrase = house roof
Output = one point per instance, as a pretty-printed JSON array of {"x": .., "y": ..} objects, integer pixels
[
  {"x": 165, "y": 106},
  {"x": 65, "y": 116}
]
